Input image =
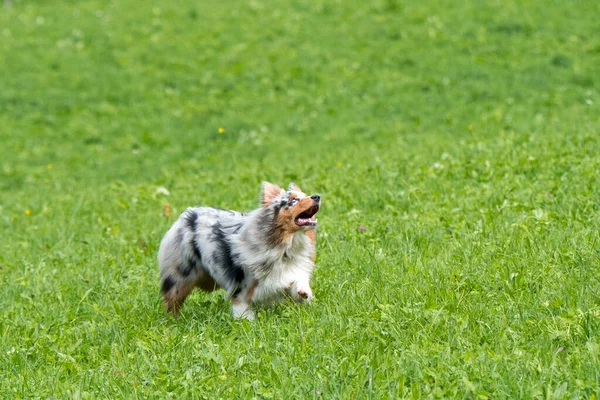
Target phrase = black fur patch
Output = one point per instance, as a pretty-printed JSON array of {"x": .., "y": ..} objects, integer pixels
[
  {"x": 278, "y": 207},
  {"x": 196, "y": 249},
  {"x": 239, "y": 275},
  {"x": 237, "y": 291},
  {"x": 191, "y": 220},
  {"x": 223, "y": 256},
  {"x": 193, "y": 261},
  {"x": 167, "y": 284}
]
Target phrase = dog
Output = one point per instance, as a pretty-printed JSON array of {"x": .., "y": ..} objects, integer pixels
[{"x": 260, "y": 257}]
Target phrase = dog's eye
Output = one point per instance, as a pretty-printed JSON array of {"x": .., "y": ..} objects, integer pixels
[{"x": 293, "y": 201}]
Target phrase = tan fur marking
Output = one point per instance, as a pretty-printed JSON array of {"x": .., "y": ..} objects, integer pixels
[
  {"x": 251, "y": 291},
  {"x": 283, "y": 227},
  {"x": 206, "y": 283},
  {"x": 312, "y": 236}
]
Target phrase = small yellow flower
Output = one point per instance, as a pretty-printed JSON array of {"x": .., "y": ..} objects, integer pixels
[
  {"x": 49, "y": 166},
  {"x": 470, "y": 127},
  {"x": 339, "y": 164},
  {"x": 27, "y": 212},
  {"x": 221, "y": 130}
]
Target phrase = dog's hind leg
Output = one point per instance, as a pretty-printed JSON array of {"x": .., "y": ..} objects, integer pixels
[{"x": 175, "y": 290}]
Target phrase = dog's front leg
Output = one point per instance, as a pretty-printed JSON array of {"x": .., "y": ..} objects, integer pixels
[{"x": 240, "y": 302}]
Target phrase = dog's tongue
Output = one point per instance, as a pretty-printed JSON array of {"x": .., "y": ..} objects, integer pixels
[{"x": 305, "y": 221}]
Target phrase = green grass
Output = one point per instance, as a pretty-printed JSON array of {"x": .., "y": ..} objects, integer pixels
[{"x": 464, "y": 136}]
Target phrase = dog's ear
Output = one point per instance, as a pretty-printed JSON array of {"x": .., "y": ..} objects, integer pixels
[
  {"x": 268, "y": 192},
  {"x": 292, "y": 187}
]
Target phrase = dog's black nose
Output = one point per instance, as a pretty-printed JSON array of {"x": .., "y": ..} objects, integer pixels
[{"x": 316, "y": 197}]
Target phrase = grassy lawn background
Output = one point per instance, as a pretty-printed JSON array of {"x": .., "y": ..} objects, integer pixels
[{"x": 464, "y": 136}]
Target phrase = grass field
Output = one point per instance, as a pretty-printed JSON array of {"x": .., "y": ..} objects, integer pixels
[{"x": 463, "y": 136}]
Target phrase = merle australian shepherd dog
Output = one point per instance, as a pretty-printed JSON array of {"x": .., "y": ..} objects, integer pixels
[{"x": 257, "y": 257}]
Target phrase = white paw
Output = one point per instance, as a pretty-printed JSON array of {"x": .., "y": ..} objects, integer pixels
[
  {"x": 248, "y": 315},
  {"x": 242, "y": 311},
  {"x": 301, "y": 293}
]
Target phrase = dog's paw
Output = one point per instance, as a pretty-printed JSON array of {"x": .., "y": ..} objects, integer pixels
[
  {"x": 248, "y": 315},
  {"x": 242, "y": 311},
  {"x": 301, "y": 293}
]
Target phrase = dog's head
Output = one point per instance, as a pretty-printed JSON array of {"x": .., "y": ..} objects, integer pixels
[{"x": 293, "y": 210}]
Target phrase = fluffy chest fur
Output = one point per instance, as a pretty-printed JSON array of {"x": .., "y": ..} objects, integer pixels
[{"x": 279, "y": 268}]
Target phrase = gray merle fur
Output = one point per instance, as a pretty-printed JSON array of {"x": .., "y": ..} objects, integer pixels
[{"x": 255, "y": 257}]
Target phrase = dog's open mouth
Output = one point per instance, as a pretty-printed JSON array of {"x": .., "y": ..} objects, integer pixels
[{"x": 307, "y": 217}]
